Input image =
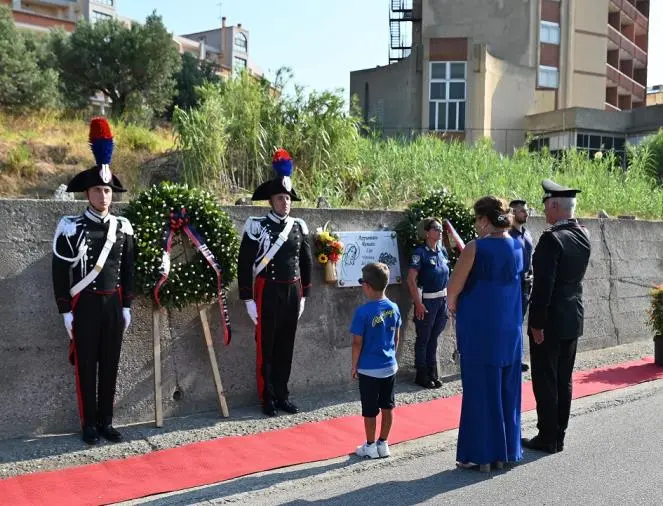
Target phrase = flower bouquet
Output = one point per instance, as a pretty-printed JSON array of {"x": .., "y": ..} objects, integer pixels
[{"x": 328, "y": 249}]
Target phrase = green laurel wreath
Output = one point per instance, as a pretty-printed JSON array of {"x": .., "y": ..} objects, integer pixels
[
  {"x": 191, "y": 279},
  {"x": 440, "y": 204}
]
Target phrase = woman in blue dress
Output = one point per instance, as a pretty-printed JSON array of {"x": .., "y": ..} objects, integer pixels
[{"x": 485, "y": 295}]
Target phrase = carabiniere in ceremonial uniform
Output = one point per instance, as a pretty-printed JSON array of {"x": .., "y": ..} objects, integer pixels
[
  {"x": 274, "y": 277},
  {"x": 93, "y": 284},
  {"x": 556, "y": 314}
]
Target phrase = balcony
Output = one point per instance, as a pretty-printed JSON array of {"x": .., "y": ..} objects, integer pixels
[
  {"x": 625, "y": 85},
  {"x": 627, "y": 49},
  {"x": 629, "y": 9},
  {"x": 41, "y": 22}
]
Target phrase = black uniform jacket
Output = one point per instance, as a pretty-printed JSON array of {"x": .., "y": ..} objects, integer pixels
[
  {"x": 560, "y": 261},
  {"x": 76, "y": 247},
  {"x": 292, "y": 262}
]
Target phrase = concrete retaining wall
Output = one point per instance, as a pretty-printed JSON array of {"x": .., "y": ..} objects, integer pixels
[{"x": 38, "y": 382}]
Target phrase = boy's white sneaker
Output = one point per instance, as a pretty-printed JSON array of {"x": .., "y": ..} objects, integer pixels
[
  {"x": 366, "y": 450},
  {"x": 383, "y": 449}
]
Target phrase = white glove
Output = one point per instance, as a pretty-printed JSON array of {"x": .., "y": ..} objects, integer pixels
[
  {"x": 302, "y": 303},
  {"x": 252, "y": 310},
  {"x": 69, "y": 323},
  {"x": 126, "y": 314}
]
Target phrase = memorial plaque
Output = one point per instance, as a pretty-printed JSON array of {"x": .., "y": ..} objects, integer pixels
[{"x": 363, "y": 248}]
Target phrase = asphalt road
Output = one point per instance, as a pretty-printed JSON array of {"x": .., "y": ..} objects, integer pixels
[{"x": 613, "y": 455}]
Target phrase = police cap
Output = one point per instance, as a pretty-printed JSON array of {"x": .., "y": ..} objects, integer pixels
[{"x": 552, "y": 189}]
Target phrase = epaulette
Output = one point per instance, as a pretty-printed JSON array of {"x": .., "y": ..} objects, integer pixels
[
  {"x": 302, "y": 224},
  {"x": 67, "y": 226},
  {"x": 253, "y": 227},
  {"x": 126, "y": 225}
]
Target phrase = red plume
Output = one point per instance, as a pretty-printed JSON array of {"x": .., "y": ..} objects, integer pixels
[
  {"x": 100, "y": 129},
  {"x": 281, "y": 154}
]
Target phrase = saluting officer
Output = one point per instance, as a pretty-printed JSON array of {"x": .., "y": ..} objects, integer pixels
[
  {"x": 93, "y": 285},
  {"x": 520, "y": 233},
  {"x": 274, "y": 277},
  {"x": 556, "y": 314},
  {"x": 427, "y": 279}
]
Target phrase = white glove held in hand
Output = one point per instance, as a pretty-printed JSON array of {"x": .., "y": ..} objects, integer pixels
[
  {"x": 302, "y": 303},
  {"x": 69, "y": 323},
  {"x": 252, "y": 310},
  {"x": 126, "y": 314}
]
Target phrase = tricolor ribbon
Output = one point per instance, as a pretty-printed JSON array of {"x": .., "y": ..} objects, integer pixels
[
  {"x": 180, "y": 221},
  {"x": 451, "y": 231}
]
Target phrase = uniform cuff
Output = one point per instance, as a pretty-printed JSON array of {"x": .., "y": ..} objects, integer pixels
[
  {"x": 64, "y": 305},
  {"x": 245, "y": 293},
  {"x": 306, "y": 290}
]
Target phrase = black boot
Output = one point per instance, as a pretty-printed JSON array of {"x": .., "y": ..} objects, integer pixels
[
  {"x": 422, "y": 378},
  {"x": 432, "y": 374},
  {"x": 109, "y": 433},
  {"x": 90, "y": 435},
  {"x": 287, "y": 406},
  {"x": 269, "y": 408}
]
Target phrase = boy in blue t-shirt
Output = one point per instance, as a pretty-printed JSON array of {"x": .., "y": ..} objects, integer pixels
[{"x": 375, "y": 329}]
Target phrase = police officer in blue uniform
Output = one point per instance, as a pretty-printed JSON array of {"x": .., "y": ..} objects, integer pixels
[
  {"x": 428, "y": 275},
  {"x": 520, "y": 233}
]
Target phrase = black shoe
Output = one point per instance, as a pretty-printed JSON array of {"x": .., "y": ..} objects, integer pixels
[
  {"x": 537, "y": 443},
  {"x": 287, "y": 406},
  {"x": 109, "y": 433},
  {"x": 90, "y": 435},
  {"x": 524, "y": 367},
  {"x": 269, "y": 409},
  {"x": 432, "y": 375},
  {"x": 422, "y": 378}
]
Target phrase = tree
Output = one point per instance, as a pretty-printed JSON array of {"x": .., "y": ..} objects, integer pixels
[
  {"x": 192, "y": 73},
  {"x": 128, "y": 65},
  {"x": 24, "y": 82}
]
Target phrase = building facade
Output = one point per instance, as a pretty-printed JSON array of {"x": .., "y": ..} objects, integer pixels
[
  {"x": 479, "y": 69},
  {"x": 42, "y": 15},
  {"x": 229, "y": 44}
]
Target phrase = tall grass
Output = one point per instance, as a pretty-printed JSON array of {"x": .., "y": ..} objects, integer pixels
[{"x": 231, "y": 136}]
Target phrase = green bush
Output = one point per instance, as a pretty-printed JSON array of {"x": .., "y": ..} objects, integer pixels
[
  {"x": 19, "y": 162},
  {"x": 439, "y": 204},
  {"x": 137, "y": 138}
]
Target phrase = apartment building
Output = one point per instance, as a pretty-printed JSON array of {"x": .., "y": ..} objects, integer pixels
[
  {"x": 655, "y": 95},
  {"x": 230, "y": 44},
  {"x": 504, "y": 70},
  {"x": 42, "y": 15}
]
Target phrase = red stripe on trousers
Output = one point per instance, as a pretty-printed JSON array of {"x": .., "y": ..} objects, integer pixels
[
  {"x": 79, "y": 393},
  {"x": 259, "y": 288}
]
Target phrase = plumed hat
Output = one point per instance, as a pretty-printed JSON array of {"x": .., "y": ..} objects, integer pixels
[
  {"x": 101, "y": 143},
  {"x": 282, "y": 183}
]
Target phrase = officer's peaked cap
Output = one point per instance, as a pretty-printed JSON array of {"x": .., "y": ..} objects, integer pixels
[{"x": 552, "y": 189}]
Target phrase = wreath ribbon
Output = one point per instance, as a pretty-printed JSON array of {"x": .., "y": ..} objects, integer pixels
[{"x": 179, "y": 221}]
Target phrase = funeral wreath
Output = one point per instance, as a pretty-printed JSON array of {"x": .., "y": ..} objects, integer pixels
[{"x": 186, "y": 246}]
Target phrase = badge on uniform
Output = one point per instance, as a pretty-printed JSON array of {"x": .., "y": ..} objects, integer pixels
[
  {"x": 432, "y": 261},
  {"x": 416, "y": 259}
]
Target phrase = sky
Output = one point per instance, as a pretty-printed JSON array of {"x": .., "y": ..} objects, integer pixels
[{"x": 321, "y": 41}]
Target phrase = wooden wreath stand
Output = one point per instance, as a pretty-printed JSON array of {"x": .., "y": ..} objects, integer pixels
[{"x": 156, "y": 336}]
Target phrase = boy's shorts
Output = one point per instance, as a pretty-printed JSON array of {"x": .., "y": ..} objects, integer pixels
[{"x": 376, "y": 394}]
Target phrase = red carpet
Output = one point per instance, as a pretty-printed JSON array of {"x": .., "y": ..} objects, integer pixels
[{"x": 230, "y": 457}]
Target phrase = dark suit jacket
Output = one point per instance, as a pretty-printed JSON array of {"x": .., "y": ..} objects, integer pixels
[{"x": 559, "y": 263}]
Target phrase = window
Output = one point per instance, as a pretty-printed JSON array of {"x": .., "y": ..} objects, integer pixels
[
  {"x": 100, "y": 16},
  {"x": 239, "y": 64},
  {"x": 241, "y": 44},
  {"x": 549, "y": 33},
  {"x": 548, "y": 77},
  {"x": 447, "y": 96},
  {"x": 109, "y": 3}
]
